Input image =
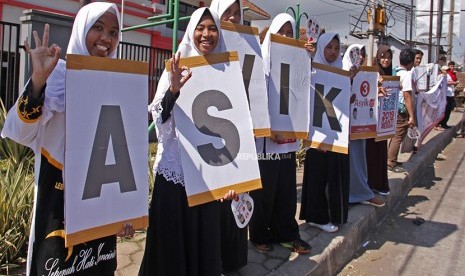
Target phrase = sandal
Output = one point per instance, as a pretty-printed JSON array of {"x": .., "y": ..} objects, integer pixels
[
  {"x": 299, "y": 246},
  {"x": 263, "y": 248}
]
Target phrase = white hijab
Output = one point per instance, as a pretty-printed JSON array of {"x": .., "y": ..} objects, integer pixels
[
  {"x": 187, "y": 48},
  {"x": 220, "y": 6},
  {"x": 275, "y": 26},
  {"x": 323, "y": 41},
  {"x": 346, "y": 61},
  {"x": 85, "y": 18}
]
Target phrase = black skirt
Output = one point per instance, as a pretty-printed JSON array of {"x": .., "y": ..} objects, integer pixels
[
  {"x": 377, "y": 154},
  {"x": 233, "y": 241},
  {"x": 181, "y": 240},
  {"x": 325, "y": 187},
  {"x": 275, "y": 204}
]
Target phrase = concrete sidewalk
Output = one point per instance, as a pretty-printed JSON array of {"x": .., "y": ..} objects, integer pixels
[{"x": 330, "y": 252}]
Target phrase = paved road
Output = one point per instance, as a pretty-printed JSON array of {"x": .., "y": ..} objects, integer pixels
[{"x": 436, "y": 247}]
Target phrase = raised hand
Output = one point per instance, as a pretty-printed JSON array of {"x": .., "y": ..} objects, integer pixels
[
  {"x": 178, "y": 76},
  {"x": 44, "y": 59},
  {"x": 353, "y": 71}
]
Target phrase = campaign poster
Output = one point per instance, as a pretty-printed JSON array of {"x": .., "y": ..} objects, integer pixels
[{"x": 363, "y": 115}]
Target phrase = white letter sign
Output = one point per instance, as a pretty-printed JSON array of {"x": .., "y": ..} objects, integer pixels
[
  {"x": 329, "y": 109},
  {"x": 289, "y": 87},
  {"x": 106, "y": 147},
  {"x": 244, "y": 39},
  {"x": 215, "y": 130}
]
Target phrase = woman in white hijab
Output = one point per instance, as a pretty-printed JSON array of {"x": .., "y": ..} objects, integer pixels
[
  {"x": 326, "y": 171},
  {"x": 234, "y": 246},
  {"x": 181, "y": 240},
  {"x": 360, "y": 191},
  {"x": 275, "y": 205},
  {"x": 228, "y": 10},
  {"x": 38, "y": 121}
]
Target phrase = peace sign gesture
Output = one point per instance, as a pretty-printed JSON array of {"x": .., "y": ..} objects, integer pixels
[
  {"x": 177, "y": 78},
  {"x": 44, "y": 59}
]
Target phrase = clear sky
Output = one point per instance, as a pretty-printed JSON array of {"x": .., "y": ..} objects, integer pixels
[{"x": 338, "y": 15}]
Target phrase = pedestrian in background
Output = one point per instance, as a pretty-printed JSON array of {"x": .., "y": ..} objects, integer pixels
[{"x": 405, "y": 116}]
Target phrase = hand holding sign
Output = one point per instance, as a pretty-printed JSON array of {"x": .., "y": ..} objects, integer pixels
[
  {"x": 242, "y": 209},
  {"x": 355, "y": 56},
  {"x": 313, "y": 30}
]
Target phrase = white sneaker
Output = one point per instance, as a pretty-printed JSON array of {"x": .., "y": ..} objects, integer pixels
[{"x": 329, "y": 227}]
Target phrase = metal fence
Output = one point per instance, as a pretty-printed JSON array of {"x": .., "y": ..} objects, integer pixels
[
  {"x": 10, "y": 56},
  {"x": 10, "y": 62},
  {"x": 154, "y": 56}
]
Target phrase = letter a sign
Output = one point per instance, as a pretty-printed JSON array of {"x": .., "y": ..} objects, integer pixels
[
  {"x": 215, "y": 130},
  {"x": 106, "y": 147}
]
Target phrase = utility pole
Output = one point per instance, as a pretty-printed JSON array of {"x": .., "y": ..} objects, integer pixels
[
  {"x": 439, "y": 28},
  {"x": 411, "y": 23},
  {"x": 430, "y": 40},
  {"x": 451, "y": 30},
  {"x": 371, "y": 38}
]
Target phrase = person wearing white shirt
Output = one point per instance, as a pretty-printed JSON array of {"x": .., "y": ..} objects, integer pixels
[{"x": 406, "y": 116}]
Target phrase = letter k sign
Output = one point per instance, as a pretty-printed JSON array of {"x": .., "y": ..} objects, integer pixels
[{"x": 324, "y": 104}]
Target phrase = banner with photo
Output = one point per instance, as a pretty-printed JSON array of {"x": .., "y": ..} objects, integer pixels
[
  {"x": 245, "y": 40},
  {"x": 387, "y": 109},
  {"x": 215, "y": 130},
  {"x": 329, "y": 109},
  {"x": 289, "y": 88},
  {"x": 363, "y": 115},
  {"x": 106, "y": 147},
  {"x": 430, "y": 108}
]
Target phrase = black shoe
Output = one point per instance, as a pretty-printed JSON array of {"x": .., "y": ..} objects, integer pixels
[{"x": 445, "y": 126}]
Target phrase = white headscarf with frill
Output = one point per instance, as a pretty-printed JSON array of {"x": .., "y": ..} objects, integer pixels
[
  {"x": 187, "y": 48},
  {"x": 323, "y": 41},
  {"x": 220, "y": 6},
  {"x": 85, "y": 19},
  {"x": 275, "y": 26}
]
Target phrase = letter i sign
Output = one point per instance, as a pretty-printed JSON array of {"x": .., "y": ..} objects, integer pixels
[{"x": 364, "y": 89}]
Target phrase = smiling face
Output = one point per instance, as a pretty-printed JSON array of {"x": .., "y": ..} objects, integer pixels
[
  {"x": 386, "y": 60},
  {"x": 286, "y": 30},
  {"x": 102, "y": 37},
  {"x": 206, "y": 34},
  {"x": 362, "y": 55},
  {"x": 232, "y": 14},
  {"x": 332, "y": 50},
  {"x": 417, "y": 61}
]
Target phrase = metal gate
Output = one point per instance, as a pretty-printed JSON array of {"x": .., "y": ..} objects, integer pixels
[
  {"x": 10, "y": 57},
  {"x": 154, "y": 56}
]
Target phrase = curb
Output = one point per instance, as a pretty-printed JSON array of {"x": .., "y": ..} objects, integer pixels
[{"x": 331, "y": 252}]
